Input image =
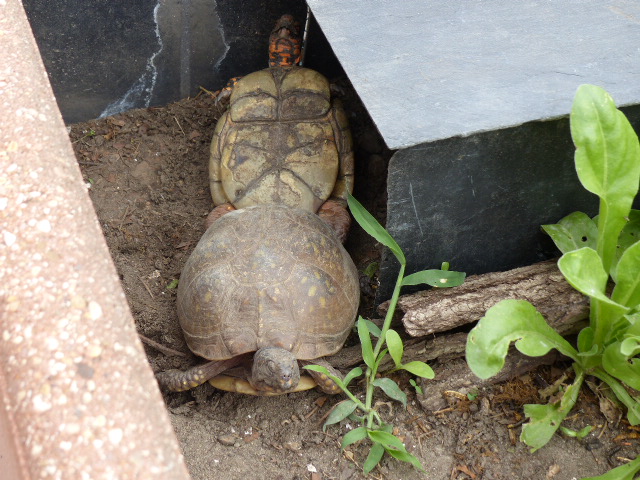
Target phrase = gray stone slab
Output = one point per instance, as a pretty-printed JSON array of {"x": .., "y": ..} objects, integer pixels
[{"x": 428, "y": 69}]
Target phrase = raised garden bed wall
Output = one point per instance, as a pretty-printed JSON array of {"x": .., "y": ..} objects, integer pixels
[{"x": 78, "y": 398}]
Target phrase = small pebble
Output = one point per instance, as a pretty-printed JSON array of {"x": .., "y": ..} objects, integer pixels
[
  {"x": 228, "y": 440},
  {"x": 293, "y": 446}
]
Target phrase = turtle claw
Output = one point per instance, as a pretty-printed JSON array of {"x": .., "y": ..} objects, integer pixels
[
  {"x": 324, "y": 383},
  {"x": 179, "y": 381},
  {"x": 225, "y": 93}
]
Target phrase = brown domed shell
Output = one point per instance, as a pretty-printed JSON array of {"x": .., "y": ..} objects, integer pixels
[{"x": 268, "y": 275}]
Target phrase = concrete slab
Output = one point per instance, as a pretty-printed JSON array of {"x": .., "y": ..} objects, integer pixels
[{"x": 428, "y": 70}]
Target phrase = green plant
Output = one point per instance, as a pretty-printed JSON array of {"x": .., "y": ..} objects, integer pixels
[
  {"x": 416, "y": 386},
  {"x": 387, "y": 342},
  {"x": 607, "y": 162}
]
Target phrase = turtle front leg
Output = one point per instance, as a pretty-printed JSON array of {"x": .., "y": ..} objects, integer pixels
[
  {"x": 225, "y": 93},
  {"x": 180, "y": 381},
  {"x": 335, "y": 213},
  {"x": 218, "y": 212},
  {"x": 324, "y": 382}
]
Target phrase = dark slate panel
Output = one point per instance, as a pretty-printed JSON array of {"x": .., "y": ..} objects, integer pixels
[
  {"x": 478, "y": 201},
  {"x": 103, "y": 57}
]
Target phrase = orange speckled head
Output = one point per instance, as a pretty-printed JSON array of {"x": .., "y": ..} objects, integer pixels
[{"x": 285, "y": 43}]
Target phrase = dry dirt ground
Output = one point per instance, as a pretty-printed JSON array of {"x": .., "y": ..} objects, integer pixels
[{"x": 147, "y": 174}]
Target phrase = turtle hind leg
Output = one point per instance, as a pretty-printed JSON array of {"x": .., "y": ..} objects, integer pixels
[
  {"x": 335, "y": 213},
  {"x": 324, "y": 382},
  {"x": 218, "y": 212},
  {"x": 180, "y": 381}
]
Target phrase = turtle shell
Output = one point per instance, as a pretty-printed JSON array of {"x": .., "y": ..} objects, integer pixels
[
  {"x": 282, "y": 141},
  {"x": 268, "y": 275}
]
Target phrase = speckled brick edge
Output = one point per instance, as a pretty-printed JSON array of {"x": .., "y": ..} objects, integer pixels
[{"x": 79, "y": 399}]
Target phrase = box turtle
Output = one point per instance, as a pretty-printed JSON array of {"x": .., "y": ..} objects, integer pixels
[
  {"x": 266, "y": 288},
  {"x": 283, "y": 139}
]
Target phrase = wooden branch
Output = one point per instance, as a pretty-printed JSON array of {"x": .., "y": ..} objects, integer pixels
[
  {"x": 542, "y": 284},
  {"x": 442, "y": 347},
  {"x": 455, "y": 376}
]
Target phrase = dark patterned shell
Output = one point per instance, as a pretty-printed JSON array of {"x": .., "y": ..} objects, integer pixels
[
  {"x": 282, "y": 141},
  {"x": 268, "y": 275}
]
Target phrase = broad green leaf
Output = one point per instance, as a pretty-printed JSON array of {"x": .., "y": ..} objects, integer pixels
[
  {"x": 354, "y": 373},
  {"x": 395, "y": 346},
  {"x": 370, "y": 225},
  {"x": 373, "y": 328},
  {"x": 507, "y": 321},
  {"x": 435, "y": 278},
  {"x": 634, "y": 324},
  {"x": 387, "y": 440},
  {"x": 574, "y": 231},
  {"x": 365, "y": 343},
  {"x": 633, "y": 405},
  {"x": 630, "y": 233},
  {"x": 622, "y": 329},
  {"x": 419, "y": 369},
  {"x": 353, "y": 436},
  {"x": 374, "y": 457},
  {"x": 627, "y": 471},
  {"x": 618, "y": 361},
  {"x": 583, "y": 269},
  {"x": 341, "y": 411},
  {"x": 406, "y": 457},
  {"x": 546, "y": 419},
  {"x": 627, "y": 289},
  {"x": 392, "y": 389},
  {"x": 585, "y": 342},
  {"x": 577, "y": 434},
  {"x": 630, "y": 347},
  {"x": 607, "y": 161}
]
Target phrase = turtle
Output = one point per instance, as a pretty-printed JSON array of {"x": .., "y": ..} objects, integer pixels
[
  {"x": 267, "y": 288},
  {"x": 283, "y": 139}
]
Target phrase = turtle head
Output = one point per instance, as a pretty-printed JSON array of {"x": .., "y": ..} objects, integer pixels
[
  {"x": 274, "y": 370},
  {"x": 285, "y": 43}
]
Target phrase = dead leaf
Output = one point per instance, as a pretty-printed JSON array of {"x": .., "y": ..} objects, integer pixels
[
  {"x": 115, "y": 121},
  {"x": 464, "y": 469},
  {"x": 609, "y": 409},
  {"x": 553, "y": 471}
]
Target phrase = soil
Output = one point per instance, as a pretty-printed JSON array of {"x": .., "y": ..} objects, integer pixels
[{"x": 146, "y": 171}]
